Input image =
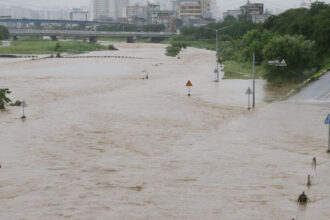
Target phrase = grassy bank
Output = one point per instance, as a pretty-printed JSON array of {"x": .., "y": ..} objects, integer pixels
[
  {"x": 237, "y": 70},
  {"x": 48, "y": 47}
]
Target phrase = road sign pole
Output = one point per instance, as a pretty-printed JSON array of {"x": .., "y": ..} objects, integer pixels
[
  {"x": 329, "y": 140},
  {"x": 327, "y": 122},
  {"x": 249, "y": 102},
  {"x": 23, "y": 109},
  {"x": 23, "y": 105},
  {"x": 254, "y": 82}
]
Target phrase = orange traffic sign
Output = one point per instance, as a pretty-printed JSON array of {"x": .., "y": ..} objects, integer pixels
[{"x": 189, "y": 84}]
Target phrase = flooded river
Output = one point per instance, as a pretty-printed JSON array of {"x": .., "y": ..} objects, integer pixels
[{"x": 101, "y": 142}]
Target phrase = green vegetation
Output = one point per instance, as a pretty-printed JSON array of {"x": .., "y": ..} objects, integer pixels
[
  {"x": 111, "y": 47},
  {"x": 175, "y": 48},
  {"x": 17, "y": 103},
  {"x": 4, "y": 34},
  {"x": 172, "y": 51},
  {"x": 132, "y": 28},
  {"x": 299, "y": 54},
  {"x": 57, "y": 47},
  {"x": 3, "y": 98},
  {"x": 240, "y": 70},
  {"x": 299, "y": 36},
  {"x": 37, "y": 46}
]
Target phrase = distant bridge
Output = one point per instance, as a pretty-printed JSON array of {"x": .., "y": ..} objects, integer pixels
[
  {"x": 49, "y": 21},
  {"x": 92, "y": 35}
]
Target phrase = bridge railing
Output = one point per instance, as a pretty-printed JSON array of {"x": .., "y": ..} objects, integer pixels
[{"x": 33, "y": 32}]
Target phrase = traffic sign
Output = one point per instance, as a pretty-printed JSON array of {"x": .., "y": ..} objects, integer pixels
[
  {"x": 216, "y": 71},
  {"x": 220, "y": 57},
  {"x": 189, "y": 84},
  {"x": 248, "y": 91},
  {"x": 327, "y": 120}
]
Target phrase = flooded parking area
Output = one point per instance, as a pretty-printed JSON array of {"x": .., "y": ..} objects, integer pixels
[{"x": 103, "y": 142}]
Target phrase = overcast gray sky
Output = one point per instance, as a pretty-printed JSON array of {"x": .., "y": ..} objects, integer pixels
[{"x": 223, "y": 4}]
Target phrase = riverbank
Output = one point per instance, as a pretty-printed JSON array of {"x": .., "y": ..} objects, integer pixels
[{"x": 29, "y": 46}]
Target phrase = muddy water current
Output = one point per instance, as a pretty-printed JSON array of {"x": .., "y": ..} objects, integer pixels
[{"x": 102, "y": 142}]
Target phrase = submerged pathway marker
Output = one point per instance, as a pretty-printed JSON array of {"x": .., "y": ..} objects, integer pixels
[
  {"x": 249, "y": 92},
  {"x": 189, "y": 85},
  {"x": 327, "y": 122}
]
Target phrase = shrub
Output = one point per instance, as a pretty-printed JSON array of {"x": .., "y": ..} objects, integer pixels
[
  {"x": 111, "y": 47},
  {"x": 57, "y": 47},
  {"x": 172, "y": 51}
]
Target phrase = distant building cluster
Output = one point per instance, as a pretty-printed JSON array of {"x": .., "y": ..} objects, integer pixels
[
  {"x": 253, "y": 11},
  {"x": 178, "y": 13},
  {"x": 54, "y": 14},
  {"x": 182, "y": 12}
]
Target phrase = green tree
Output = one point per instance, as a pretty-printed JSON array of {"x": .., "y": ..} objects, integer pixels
[
  {"x": 4, "y": 33},
  {"x": 120, "y": 27},
  {"x": 230, "y": 19},
  {"x": 298, "y": 53},
  {"x": 57, "y": 47},
  {"x": 321, "y": 32},
  {"x": 153, "y": 28},
  {"x": 3, "y": 98},
  {"x": 253, "y": 42}
]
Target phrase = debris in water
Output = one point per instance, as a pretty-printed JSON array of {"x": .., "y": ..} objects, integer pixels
[
  {"x": 314, "y": 163},
  {"x": 302, "y": 199},
  {"x": 309, "y": 183}
]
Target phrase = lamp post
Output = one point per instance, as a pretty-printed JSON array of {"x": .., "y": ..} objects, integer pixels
[
  {"x": 254, "y": 81},
  {"x": 217, "y": 48}
]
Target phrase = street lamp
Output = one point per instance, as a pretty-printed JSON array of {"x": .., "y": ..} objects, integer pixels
[{"x": 217, "y": 49}]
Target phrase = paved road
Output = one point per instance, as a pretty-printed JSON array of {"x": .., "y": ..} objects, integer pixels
[{"x": 316, "y": 91}]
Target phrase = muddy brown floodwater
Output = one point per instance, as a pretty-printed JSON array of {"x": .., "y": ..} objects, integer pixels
[{"x": 100, "y": 142}]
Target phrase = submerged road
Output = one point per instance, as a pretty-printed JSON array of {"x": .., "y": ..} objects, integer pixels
[{"x": 316, "y": 91}]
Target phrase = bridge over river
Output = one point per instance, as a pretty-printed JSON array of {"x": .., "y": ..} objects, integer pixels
[{"x": 92, "y": 35}]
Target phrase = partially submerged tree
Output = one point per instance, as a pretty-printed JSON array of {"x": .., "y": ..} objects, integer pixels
[{"x": 3, "y": 98}]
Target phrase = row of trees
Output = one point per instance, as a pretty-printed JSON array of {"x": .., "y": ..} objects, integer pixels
[
  {"x": 132, "y": 27},
  {"x": 4, "y": 34},
  {"x": 300, "y": 36}
]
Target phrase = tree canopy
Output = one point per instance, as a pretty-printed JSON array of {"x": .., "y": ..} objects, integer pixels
[{"x": 4, "y": 34}]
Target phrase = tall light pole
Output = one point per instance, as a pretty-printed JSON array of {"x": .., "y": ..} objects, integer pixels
[
  {"x": 217, "y": 48},
  {"x": 217, "y": 60},
  {"x": 254, "y": 81}
]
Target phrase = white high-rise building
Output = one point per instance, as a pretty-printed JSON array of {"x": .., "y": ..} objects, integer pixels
[
  {"x": 101, "y": 9},
  {"x": 117, "y": 8}
]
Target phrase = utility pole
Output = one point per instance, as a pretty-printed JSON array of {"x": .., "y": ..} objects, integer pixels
[{"x": 254, "y": 82}]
